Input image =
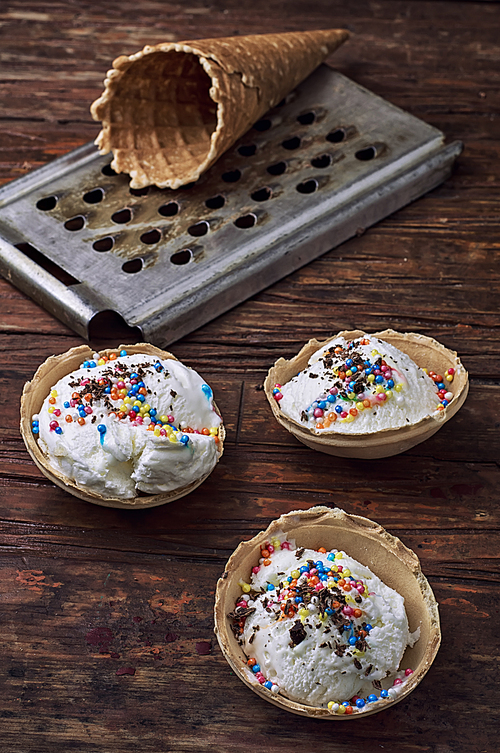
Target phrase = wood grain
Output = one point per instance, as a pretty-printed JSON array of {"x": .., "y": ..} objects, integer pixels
[{"x": 106, "y": 615}]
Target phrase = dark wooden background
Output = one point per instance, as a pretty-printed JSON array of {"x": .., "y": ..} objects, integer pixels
[{"x": 107, "y": 641}]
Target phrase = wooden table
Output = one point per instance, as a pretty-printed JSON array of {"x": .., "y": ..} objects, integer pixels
[{"x": 107, "y": 630}]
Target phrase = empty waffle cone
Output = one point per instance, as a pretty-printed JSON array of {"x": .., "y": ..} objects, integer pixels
[
  {"x": 34, "y": 394},
  {"x": 168, "y": 112},
  {"x": 424, "y": 351},
  {"x": 367, "y": 542}
]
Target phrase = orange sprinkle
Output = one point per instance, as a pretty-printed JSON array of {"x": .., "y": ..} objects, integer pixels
[
  {"x": 267, "y": 562},
  {"x": 88, "y": 397},
  {"x": 112, "y": 356},
  {"x": 206, "y": 432},
  {"x": 322, "y": 550},
  {"x": 81, "y": 421},
  {"x": 52, "y": 400},
  {"x": 68, "y": 419}
]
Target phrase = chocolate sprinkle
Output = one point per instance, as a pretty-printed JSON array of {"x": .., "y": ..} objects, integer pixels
[{"x": 297, "y": 633}]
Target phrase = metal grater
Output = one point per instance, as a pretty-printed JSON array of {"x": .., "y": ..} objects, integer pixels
[{"x": 329, "y": 160}]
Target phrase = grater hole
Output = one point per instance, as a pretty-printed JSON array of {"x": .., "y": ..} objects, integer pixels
[
  {"x": 109, "y": 327},
  {"x": 277, "y": 169},
  {"x": 366, "y": 154},
  {"x": 182, "y": 257},
  {"x": 231, "y": 176},
  {"x": 292, "y": 143},
  {"x": 263, "y": 125},
  {"x": 152, "y": 236},
  {"x": 335, "y": 137},
  {"x": 104, "y": 244},
  {"x": 247, "y": 150},
  {"x": 133, "y": 266},
  {"x": 139, "y": 191},
  {"x": 263, "y": 194},
  {"x": 246, "y": 221},
  {"x": 75, "y": 223},
  {"x": 169, "y": 210},
  {"x": 122, "y": 216},
  {"x": 94, "y": 196},
  {"x": 199, "y": 229},
  {"x": 307, "y": 186},
  {"x": 45, "y": 263},
  {"x": 216, "y": 202},
  {"x": 307, "y": 118},
  {"x": 108, "y": 170},
  {"x": 47, "y": 203},
  {"x": 322, "y": 161}
]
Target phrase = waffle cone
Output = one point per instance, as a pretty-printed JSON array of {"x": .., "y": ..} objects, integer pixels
[
  {"x": 366, "y": 541},
  {"x": 424, "y": 351},
  {"x": 35, "y": 392},
  {"x": 168, "y": 112}
]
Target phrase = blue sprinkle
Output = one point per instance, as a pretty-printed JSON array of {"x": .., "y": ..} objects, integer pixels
[
  {"x": 141, "y": 398},
  {"x": 352, "y": 641},
  {"x": 153, "y": 412},
  {"x": 36, "y": 429},
  {"x": 440, "y": 385},
  {"x": 85, "y": 364},
  {"x": 298, "y": 599},
  {"x": 445, "y": 403},
  {"x": 304, "y": 569},
  {"x": 348, "y": 362},
  {"x": 107, "y": 390},
  {"x": 123, "y": 352},
  {"x": 354, "y": 369},
  {"x": 158, "y": 366},
  {"x": 368, "y": 628},
  {"x": 384, "y": 694},
  {"x": 276, "y": 391},
  {"x": 338, "y": 409},
  {"x": 92, "y": 364},
  {"x": 289, "y": 579},
  {"x": 134, "y": 375},
  {"x": 66, "y": 404},
  {"x": 271, "y": 586},
  {"x": 379, "y": 379},
  {"x": 184, "y": 439},
  {"x": 331, "y": 398},
  {"x": 322, "y": 404},
  {"x": 390, "y": 383},
  {"x": 256, "y": 668},
  {"x": 268, "y": 685},
  {"x": 58, "y": 430},
  {"x": 206, "y": 390},
  {"x": 360, "y": 703},
  {"x": 346, "y": 703},
  {"x": 329, "y": 610},
  {"x": 35, "y": 422},
  {"x": 372, "y": 697},
  {"x": 330, "y": 557},
  {"x": 102, "y": 431}
]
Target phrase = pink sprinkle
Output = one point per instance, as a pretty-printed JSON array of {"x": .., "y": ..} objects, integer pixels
[
  {"x": 451, "y": 371},
  {"x": 342, "y": 415},
  {"x": 318, "y": 412},
  {"x": 347, "y": 610},
  {"x": 258, "y": 675},
  {"x": 285, "y": 545},
  {"x": 270, "y": 548},
  {"x": 334, "y": 391},
  {"x": 84, "y": 381},
  {"x": 53, "y": 425},
  {"x": 163, "y": 432},
  {"x": 279, "y": 385},
  {"x": 261, "y": 679},
  {"x": 278, "y": 396},
  {"x": 125, "y": 671},
  {"x": 397, "y": 681},
  {"x": 361, "y": 589},
  {"x": 139, "y": 420},
  {"x": 88, "y": 410},
  {"x": 120, "y": 385},
  {"x": 72, "y": 403},
  {"x": 340, "y": 568},
  {"x": 57, "y": 412},
  {"x": 171, "y": 419},
  {"x": 241, "y": 604},
  {"x": 381, "y": 397},
  {"x": 319, "y": 586},
  {"x": 255, "y": 569},
  {"x": 408, "y": 672}
]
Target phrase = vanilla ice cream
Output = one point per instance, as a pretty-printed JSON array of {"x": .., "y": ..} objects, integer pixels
[
  {"x": 361, "y": 386},
  {"x": 321, "y": 628},
  {"x": 126, "y": 423}
]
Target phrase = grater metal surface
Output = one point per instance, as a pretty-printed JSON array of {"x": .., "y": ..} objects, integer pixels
[{"x": 330, "y": 159}]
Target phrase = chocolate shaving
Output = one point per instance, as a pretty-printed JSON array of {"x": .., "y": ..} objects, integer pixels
[
  {"x": 241, "y": 612},
  {"x": 297, "y": 633},
  {"x": 357, "y": 664}
]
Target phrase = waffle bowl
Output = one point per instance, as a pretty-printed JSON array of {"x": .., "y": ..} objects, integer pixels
[
  {"x": 169, "y": 111},
  {"x": 424, "y": 351},
  {"x": 388, "y": 558},
  {"x": 33, "y": 396}
]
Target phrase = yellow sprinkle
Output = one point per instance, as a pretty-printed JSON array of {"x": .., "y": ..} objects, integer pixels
[
  {"x": 51, "y": 409},
  {"x": 172, "y": 438},
  {"x": 137, "y": 403},
  {"x": 388, "y": 394},
  {"x": 341, "y": 709},
  {"x": 348, "y": 372},
  {"x": 156, "y": 432},
  {"x": 53, "y": 393},
  {"x": 164, "y": 419},
  {"x": 245, "y": 587},
  {"x": 146, "y": 407},
  {"x": 398, "y": 387},
  {"x": 304, "y": 612},
  {"x": 339, "y": 556},
  {"x": 214, "y": 431},
  {"x": 426, "y": 371},
  {"x": 127, "y": 400},
  {"x": 375, "y": 353},
  {"x": 371, "y": 377},
  {"x": 360, "y": 406},
  {"x": 379, "y": 389},
  {"x": 295, "y": 574},
  {"x": 352, "y": 395},
  {"x": 449, "y": 378},
  {"x": 346, "y": 572},
  {"x": 348, "y": 419},
  {"x": 276, "y": 543},
  {"x": 101, "y": 362}
]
